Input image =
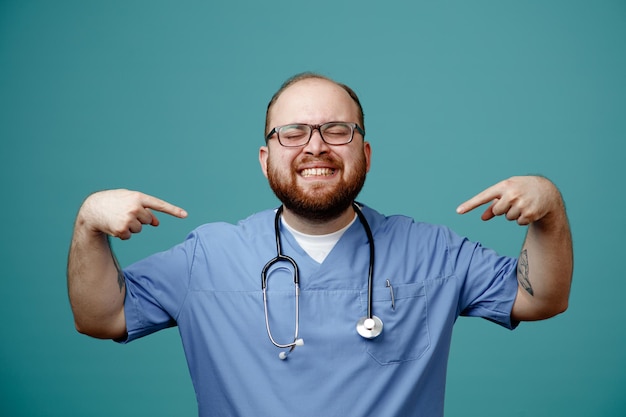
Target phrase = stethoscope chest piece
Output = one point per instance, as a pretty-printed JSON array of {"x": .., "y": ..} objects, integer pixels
[{"x": 369, "y": 327}]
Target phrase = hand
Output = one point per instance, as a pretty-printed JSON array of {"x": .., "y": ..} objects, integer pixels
[
  {"x": 522, "y": 199},
  {"x": 120, "y": 213}
]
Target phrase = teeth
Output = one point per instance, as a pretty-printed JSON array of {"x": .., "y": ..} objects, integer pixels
[{"x": 309, "y": 172}]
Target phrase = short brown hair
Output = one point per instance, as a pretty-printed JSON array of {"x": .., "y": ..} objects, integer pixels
[{"x": 311, "y": 75}]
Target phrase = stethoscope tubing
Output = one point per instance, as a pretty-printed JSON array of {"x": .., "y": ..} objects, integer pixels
[
  {"x": 280, "y": 257},
  {"x": 370, "y": 272}
]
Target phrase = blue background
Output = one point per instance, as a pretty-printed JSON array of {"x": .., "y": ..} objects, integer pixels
[{"x": 169, "y": 98}]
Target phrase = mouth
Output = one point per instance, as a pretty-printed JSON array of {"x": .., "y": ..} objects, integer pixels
[{"x": 317, "y": 172}]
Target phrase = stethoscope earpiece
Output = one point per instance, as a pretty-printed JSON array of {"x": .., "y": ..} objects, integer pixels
[{"x": 283, "y": 355}]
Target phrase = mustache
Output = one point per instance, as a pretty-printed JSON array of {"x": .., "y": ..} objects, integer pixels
[{"x": 328, "y": 159}]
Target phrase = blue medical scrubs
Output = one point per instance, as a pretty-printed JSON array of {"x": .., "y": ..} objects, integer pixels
[{"x": 210, "y": 287}]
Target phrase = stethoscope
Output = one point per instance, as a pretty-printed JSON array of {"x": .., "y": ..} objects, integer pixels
[{"x": 368, "y": 327}]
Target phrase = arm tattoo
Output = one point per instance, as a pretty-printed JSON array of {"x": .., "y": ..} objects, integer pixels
[
  {"x": 120, "y": 275},
  {"x": 522, "y": 272}
]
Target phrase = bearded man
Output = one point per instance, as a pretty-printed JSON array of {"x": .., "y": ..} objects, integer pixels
[{"x": 359, "y": 306}]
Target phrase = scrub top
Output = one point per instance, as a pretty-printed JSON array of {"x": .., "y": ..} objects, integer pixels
[{"x": 210, "y": 287}]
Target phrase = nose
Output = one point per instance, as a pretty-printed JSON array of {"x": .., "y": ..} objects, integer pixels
[{"x": 316, "y": 145}]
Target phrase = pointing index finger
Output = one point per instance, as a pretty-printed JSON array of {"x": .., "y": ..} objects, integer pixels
[
  {"x": 163, "y": 206},
  {"x": 479, "y": 199}
]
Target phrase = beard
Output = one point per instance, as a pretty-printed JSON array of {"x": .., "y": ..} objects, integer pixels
[{"x": 320, "y": 202}]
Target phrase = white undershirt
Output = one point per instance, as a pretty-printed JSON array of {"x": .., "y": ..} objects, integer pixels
[{"x": 317, "y": 246}]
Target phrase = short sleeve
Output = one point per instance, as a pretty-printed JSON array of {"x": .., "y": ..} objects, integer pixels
[
  {"x": 488, "y": 280},
  {"x": 156, "y": 288}
]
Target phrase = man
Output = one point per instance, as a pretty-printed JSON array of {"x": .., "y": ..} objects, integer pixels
[{"x": 421, "y": 277}]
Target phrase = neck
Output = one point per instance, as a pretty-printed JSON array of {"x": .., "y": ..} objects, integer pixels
[{"x": 318, "y": 227}]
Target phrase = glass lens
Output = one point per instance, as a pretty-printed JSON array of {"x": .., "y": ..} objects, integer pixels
[
  {"x": 337, "y": 133},
  {"x": 294, "y": 135}
]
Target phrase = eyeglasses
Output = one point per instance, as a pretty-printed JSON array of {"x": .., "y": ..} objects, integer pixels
[{"x": 333, "y": 133}]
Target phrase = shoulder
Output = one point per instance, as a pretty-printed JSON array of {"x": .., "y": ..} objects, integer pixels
[
  {"x": 399, "y": 223},
  {"x": 255, "y": 225},
  {"x": 404, "y": 233}
]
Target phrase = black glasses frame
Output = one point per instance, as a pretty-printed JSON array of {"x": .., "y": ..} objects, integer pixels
[{"x": 319, "y": 128}]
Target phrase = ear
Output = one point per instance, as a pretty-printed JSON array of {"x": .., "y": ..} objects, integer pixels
[
  {"x": 263, "y": 155},
  {"x": 367, "y": 150}
]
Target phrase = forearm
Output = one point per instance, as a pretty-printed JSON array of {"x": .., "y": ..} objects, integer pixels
[
  {"x": 95, "y": 284},
  {"x": 545, "y": 268},
  {"x": 95, "y": 281}
]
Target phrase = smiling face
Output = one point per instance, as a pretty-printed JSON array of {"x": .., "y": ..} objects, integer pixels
[{"x": 317, "y": 181}]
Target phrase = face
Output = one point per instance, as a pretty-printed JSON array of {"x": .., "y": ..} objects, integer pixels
[{"x": 317, "y": 181}]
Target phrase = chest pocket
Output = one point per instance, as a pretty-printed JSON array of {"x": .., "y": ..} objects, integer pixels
[{"x": 403, "y": 311}]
